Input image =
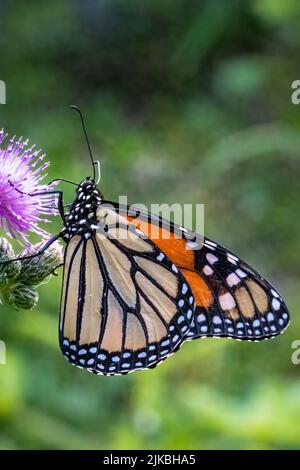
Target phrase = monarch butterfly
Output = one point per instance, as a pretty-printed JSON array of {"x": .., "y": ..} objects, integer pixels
[{"x": 130, "y": 299}]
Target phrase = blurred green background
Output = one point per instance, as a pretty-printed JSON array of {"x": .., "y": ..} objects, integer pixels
[{"x": 185, "y": 101}]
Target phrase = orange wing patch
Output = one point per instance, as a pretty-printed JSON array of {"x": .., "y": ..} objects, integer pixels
[
  {"x": 184, "y": 258},
  {"x": 201, "y": 291},
  {"x": 174, "y": 248}
]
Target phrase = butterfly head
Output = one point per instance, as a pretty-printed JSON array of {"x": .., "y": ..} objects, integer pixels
[{"x": 86, "y": 187}]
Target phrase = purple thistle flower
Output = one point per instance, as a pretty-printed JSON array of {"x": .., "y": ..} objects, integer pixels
[{"x": 21, "y": 171}]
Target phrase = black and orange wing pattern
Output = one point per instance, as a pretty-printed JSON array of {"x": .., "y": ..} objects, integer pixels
[
  {"x": 133, "y": 307},
  {"x": 242, "y": 305},
  {"x": 232, "y": 299}
]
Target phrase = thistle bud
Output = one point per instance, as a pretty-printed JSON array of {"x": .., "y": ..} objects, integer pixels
[
  {"x": 8, "y": 271},
  {"x": 22, "y": 297},
  {"x": 35, "y": 270}
]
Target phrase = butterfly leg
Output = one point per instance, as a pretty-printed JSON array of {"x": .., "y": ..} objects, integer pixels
[
  {"x": 60, "y": 204},
  {"x": 42, "y": 193},
  {"x": 38, "y": 253},
  {"x": 54, "y": 272},
  {"x": 63, "y": 180}
]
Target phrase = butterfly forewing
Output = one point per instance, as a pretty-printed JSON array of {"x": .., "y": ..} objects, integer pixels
[
  {"x": 239, "y": 302},
  {"x": 232, "y": 299},
  {"x": 133, "y": 307}
]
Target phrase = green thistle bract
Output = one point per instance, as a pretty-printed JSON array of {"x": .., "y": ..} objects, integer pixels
[
  {"x": 35, "y": 270},
  {"x": 22, "y": 297},
  {"x": 19, "y": 279},
  {"x": 10, "y": 271}
]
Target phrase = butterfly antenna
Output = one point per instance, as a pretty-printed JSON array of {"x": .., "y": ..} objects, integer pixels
[{"x": 86, "y": 138}]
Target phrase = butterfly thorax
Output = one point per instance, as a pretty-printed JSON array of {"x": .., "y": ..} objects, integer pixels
[{"x": 81, "y": 218}]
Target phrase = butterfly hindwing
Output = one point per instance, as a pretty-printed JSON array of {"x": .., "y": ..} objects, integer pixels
[{"x": 133, "y": 307}]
